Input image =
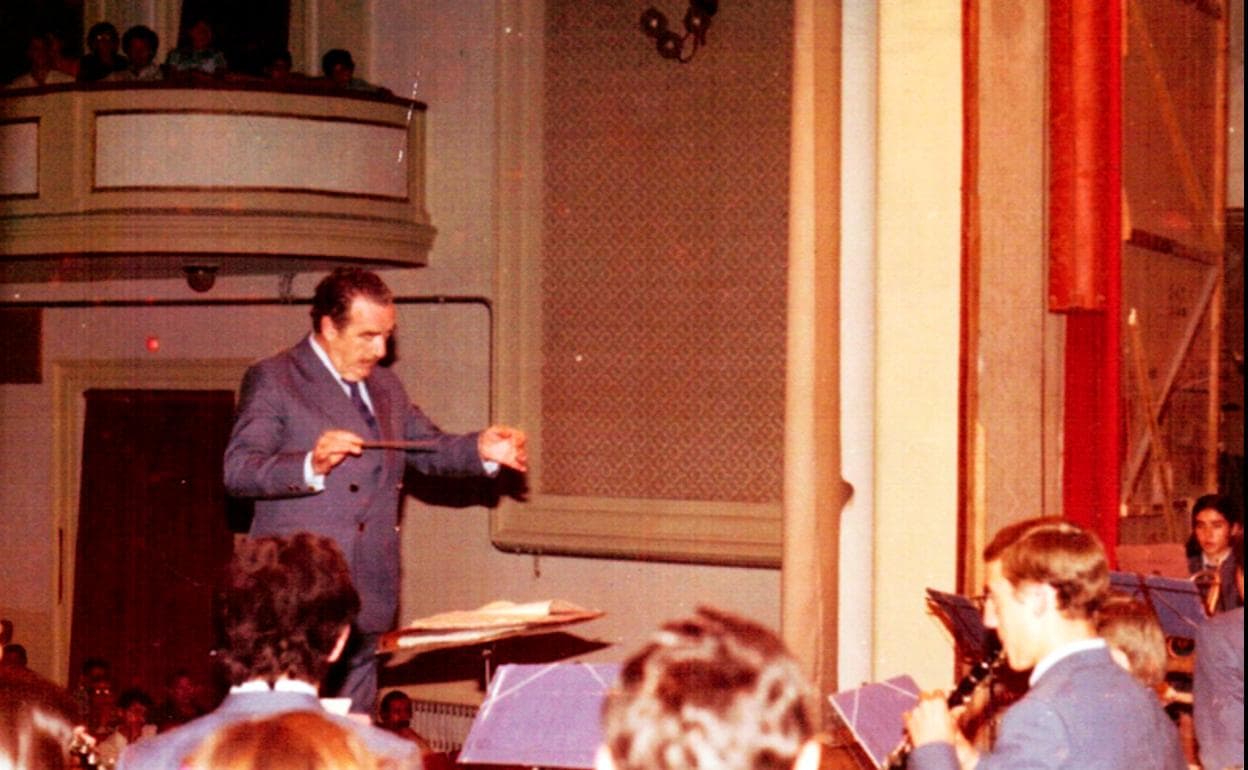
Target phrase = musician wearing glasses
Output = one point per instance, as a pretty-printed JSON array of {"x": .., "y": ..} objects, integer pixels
[{"x": 1045, "y": 580}]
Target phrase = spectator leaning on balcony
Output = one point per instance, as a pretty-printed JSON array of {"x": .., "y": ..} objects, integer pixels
[
  {"x": 140, "y": 44},
  {"x": 103, "y": 59},
  {"x": 42, "y": 64},
  {"x": 339, "y": 70},
  {"x": 196, "y": 58}
]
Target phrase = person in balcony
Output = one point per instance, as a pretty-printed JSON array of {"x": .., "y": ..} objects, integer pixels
[
  {"x": 196, "y": 59},
  {"x": 104, "y": 58},
  {"x": 43, "y": 71},
  {"x": 339, "y": 70},
  {"x": 62, "y": 61},
  {"x": 140, "y": 44}
]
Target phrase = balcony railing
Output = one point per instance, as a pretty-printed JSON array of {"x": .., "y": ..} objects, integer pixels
[{"x": 133, "y": 181}]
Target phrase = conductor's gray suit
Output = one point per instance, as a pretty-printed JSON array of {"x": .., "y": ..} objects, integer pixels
[{"x": 285, "y": 403}]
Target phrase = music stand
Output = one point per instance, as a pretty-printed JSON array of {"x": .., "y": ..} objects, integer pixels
[
  {"x": 1176, "y": 601},
  {"x": 965, "y": 622},
  {"x": 544, "y": 715},
  {"x": 873, "y": 713}
]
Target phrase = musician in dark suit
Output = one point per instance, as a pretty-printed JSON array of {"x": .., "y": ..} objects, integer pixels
[
  {"x": 1045, "y": 580},
  {"x": 299, "y": 448},
  {"x": 1215, "y": 520},
  {"x": 286, "y": 606},
  {"x": 1218, "y": 682}
]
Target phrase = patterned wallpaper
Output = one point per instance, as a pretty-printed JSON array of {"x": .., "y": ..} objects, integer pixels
[{"x": 664, "y": 254}]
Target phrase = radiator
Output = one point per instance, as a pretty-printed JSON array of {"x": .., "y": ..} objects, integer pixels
[{"x": 444, "y": 725}]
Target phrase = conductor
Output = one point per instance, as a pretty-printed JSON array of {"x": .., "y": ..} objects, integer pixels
[{"x": 314, "y": 444}]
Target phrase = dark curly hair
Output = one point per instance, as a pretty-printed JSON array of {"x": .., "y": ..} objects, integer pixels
[{"x": 283, "y": 606}]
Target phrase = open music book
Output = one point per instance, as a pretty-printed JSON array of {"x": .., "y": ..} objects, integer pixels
[{"x": 496, "y": 620}]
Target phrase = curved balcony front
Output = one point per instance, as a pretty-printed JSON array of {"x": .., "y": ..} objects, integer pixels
[{"x": 111, "y": 181}]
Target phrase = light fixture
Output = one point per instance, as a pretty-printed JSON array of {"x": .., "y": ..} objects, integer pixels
[
  {"x": 200, "y": 277},
  {"x": 671, "y": 45}
]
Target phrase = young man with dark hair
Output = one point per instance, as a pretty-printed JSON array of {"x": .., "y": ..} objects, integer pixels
[
  {"x": 286, "y": 609},
  {"x": 1215, "y": 520},
  {"x": 1046, "y": 578},
  {"x": 298, "y": 448},
  {"x": 710, "y": 692},
  {"x": 1218, "y": 682}
]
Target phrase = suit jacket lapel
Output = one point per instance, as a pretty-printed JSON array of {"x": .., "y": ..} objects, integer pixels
[
  {"x": 324, "y": 392},
  {"x": 382, "y": 406}
]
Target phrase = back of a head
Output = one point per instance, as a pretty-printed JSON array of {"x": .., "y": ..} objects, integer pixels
[
  {"x": 710, "y": 692},
  {"x": 1055, "y": 552},
  {"x": 36, "y": 721},
  {"x": 1129, "y": 624},
  {"x": 283, "y": 606},
  {"x": 296, "y": 740}
]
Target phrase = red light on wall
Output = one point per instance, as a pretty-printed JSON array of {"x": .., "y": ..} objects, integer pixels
[{"x": 152, "y": 343}]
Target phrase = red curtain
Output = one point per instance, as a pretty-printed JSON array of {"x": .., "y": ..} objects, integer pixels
[{"x": 1085, "y": 242}]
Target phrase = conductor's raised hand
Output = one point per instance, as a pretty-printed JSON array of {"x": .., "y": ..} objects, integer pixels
[
  {"x": 332, "y": 447},
  {"x": 504, "y": 445}
]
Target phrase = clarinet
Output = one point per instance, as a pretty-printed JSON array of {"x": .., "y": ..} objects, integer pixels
[{"x": 898, "y": 757}]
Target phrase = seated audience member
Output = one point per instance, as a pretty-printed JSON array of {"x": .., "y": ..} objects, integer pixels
[
  {"x": 1215, "y": 518},
  {"x": 96, "y": 673},
  {"x": 62, "y": 61},
  {"x": 297, "y": 740},
  {"x": 134, "y": 707},
  {"x": 1218, "y": 682},
  {"x": 103, "y": 58},
  {"x": 339, "y": 70},
  {"x": 14, "y": 655},
  {"x": 36, "y": 722},
  {"x": 43, "y": 71},
  {"x": 1136, "y": 642},
  {"x": 1046, "y": 578},
  {"x": 182, "y": 701},
  {"x": 102, "y": 716},
  {"x": 395, "y": 715},
  {"x": 140, "y": 44},
  {"x": 279, "y": 67},
  {"x": 710, "y": 692},
  {"x": 286, "y": 610},
  {"x": 196, "y": 58}
]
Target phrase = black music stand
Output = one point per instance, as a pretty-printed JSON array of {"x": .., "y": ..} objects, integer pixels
[
  {"x": 965, "y": 621},
  {"x": 1176, "y": 601}
]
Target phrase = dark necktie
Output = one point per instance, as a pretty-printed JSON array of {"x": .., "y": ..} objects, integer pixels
[{"x": 365, "y": 412}]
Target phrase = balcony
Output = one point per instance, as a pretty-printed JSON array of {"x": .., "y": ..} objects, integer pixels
[{"x": 117, "y": 181}]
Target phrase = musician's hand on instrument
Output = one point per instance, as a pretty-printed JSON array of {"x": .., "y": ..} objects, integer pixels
[
  {"x": 930, "y": 721},
  {"x": 332, "y": 447},
  {"x": 968, "y": 755},
  {"x": 504, "y": 445}
]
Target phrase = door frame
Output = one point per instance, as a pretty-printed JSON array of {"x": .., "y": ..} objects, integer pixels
[{"x": 70, "y": 379}]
